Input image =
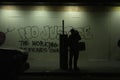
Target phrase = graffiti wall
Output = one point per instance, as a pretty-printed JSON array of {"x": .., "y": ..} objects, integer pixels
[{"x": 37, "y": 31}]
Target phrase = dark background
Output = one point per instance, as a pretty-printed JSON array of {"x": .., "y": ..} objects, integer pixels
[{"x": 78, "y": 2}]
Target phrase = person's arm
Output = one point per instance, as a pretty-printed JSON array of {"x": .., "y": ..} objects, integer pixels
[{"x": 79, "y": 37}]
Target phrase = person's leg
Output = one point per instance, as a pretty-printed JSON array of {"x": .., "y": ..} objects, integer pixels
[
  {"x": 76, "y": 56},
  {"x": 70, "y": 59}
]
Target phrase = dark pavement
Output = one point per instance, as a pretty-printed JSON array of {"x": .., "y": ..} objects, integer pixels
[{"x": 100, "y": 70}]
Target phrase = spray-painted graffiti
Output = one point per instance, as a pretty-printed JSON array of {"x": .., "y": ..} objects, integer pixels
[
  {"x": 9, "y": 30},
  {"x": 39, "y": 46},
  {"x": 28, "y": 32},
  {"x": 86, "y": 32},
  {"x": 34, "y": 32},
  {"x": 39, "y": 37},
  {"x": 44, "y": 44},
  {"x": 43, "y": 39},
  {"x": 50, "y": 32},
  {"x": 47, "y": 32}
]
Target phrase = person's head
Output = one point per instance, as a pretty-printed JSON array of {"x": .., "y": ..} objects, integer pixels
[
  {"x": 72, "y": 31},
  {"x": 76, "y": 32}
]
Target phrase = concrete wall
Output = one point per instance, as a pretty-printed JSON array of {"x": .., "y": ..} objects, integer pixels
[{"x": 37, "y": 28}]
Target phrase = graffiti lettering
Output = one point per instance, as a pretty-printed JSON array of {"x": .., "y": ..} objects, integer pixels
[
  {"x": 42, "y": 38},
  {"x": 28, "y": 32},
  {"x": 51, "y": 32},
  {"x": 32, "y": 49},
  {"x": 47, "y": 32},
  {"x": 44, "y": 44},
  {"x": 9, "y": 30},
  {"x": 86, "y": 32},
  {"x": 39, "y": 46},
  {"x": 40, "y": 49},
  {"x": 24, "y": 43}
]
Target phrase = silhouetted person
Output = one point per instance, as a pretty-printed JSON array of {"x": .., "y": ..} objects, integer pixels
[{"x": 74, "y": 48}]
